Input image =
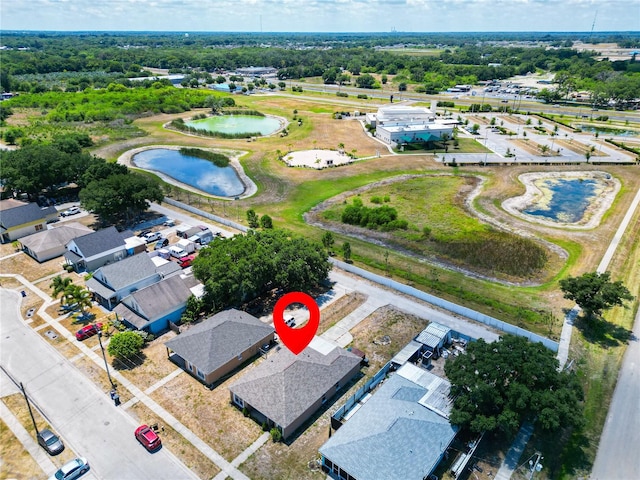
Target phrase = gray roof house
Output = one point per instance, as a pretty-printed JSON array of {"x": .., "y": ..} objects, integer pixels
[
  {"x": 401, "y": 431},
  {"x": 19, "y": 219},
  {"x": 285, "y": 389},
  {"x": 219, "y": 344},
  {"x": 96, "y": 249},
  {"x": 153, "y": 307},
  {"x": 50, "y": 243},
  {"x": 111, "y": 283}
]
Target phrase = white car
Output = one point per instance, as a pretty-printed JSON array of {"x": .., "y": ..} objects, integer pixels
[
  {"x": 71, "y": 470},
  {"x": 70, "y": 211},
  {"x": 152, "y": 237}
]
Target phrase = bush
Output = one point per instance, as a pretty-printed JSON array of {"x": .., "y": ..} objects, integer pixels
[
  {"x": 245, "y": 412},
  {"x": 341, "y": 94},
  {"x": 376, "y": 200},
  {"x": 276, "y": 435},
  {"x": 363, "y": 96},
  {"x": 125, "y": 344}
]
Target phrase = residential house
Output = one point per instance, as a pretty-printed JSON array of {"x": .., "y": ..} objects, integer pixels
[
  {"x": 91, "y": 251},
  {"x": 402, "y": 430},
  {"x": 219, "y": 344},
  {"x": 285, "y": 390},
  {"x": 111, "y": 283},
  {"x": 19, "y": 219},
  {"x": 50, "y": 243},
  {"x": 153, "y": 307}
]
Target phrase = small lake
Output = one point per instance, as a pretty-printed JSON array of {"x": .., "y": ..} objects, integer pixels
[
  {"x": 564, "y": 199},
  {"x": 615, "y": 132},
  {"x": 196, "y": 172},
  {"x": 237, "y": 124}
]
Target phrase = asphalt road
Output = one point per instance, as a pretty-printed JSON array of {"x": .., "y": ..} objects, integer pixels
[
  {"x": 618, "y": 457},
  {"x": 85, "y": 417}
]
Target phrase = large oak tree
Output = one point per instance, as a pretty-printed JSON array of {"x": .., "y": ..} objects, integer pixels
[
  {"x": 595, "y": 292},
  {"x": 497, "y": 385}
]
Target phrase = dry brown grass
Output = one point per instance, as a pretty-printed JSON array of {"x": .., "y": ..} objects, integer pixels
[
  {"x": 179, "y": 446},
  {"x": 98, "y": 376},
  {"x": 578, "y": 147},
  {"x": 26, "y": 266},
  {"x": 339, "y": 309},
  {"x": 400, "y": 327},
  {"x": 10, "y": 283},
  {"x": 63, "y": 346},
  {"x": 17, "y": 404},
  {"x": 45, "y": 285},
  {"x": 29, "y": 302},
  {"x": 16, "y": 461},
  {"x": 209, "y": 414},
  {"x": 155, "y": 366}
]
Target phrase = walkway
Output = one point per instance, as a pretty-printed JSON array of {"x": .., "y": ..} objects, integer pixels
[{"x": 167, "y": 418}]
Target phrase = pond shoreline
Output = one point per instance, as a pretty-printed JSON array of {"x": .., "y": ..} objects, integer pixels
[
  {"x": 593, "y": 213},
  {"x": 250, "y": 188}
]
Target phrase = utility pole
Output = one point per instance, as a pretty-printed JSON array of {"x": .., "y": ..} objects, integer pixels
[
  {"x": 104, "y": 357},
  {"x": 35, "y": 426},
  {"x": 537, "y": 466}
]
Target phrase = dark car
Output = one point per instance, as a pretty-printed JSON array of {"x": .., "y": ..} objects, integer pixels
[
  {"x": 88, "y": 331},
  {"x": 144, "y": 233},
  {"x": 148, "y": 438},
  {"x": 50, "y": 442},
  {"x": 161, "y": 243},
  {"x": 73, "y": 469}
]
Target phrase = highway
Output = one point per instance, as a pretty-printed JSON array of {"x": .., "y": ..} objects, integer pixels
[{"x": 83, "y": 415}]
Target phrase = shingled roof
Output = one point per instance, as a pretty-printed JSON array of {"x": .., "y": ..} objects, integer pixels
[
  {"x": 285, "y": 385},
  {"x": 218, "y": 339},
  {"x": 98, "y": 242},
  {"x": 399, "y": 432},
  {"x": 149, "y": 303},
  {"x": 13, "y": 214},
  {"x": 54, "y": 237}
]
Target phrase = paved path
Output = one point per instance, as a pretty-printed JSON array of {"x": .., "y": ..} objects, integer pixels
[
  {"x": 167, "y": 418},
  {"x": 515, "y": 452},
  {"x": 77, "y": 409},
  {"x": 27, "y": 441}
]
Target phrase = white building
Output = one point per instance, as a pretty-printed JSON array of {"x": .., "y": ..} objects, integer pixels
[{"x": 401, "y": 124}]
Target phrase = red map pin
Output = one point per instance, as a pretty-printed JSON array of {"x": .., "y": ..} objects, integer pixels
[{"x": 296, "y": 339}]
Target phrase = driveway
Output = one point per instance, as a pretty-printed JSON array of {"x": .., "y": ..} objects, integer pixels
[{"x": 85, "y": 417}]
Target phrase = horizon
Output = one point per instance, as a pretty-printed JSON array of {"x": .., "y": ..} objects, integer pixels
[{"x": 322, "y": 16}]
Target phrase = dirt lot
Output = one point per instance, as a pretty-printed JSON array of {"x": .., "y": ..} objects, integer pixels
[
  {"x": 16, "y": 461},
  {"x": 209, "y": 414},
  {"x": 339, "y": 309},
  {"x": 26, "y": 266}
]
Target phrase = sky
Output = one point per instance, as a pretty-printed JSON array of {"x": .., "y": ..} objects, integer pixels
[{"x": 321, "y": 15}]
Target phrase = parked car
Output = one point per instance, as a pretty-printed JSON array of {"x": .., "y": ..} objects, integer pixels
[
  {"x": 70, "y": 211},
  {"x": 88, "y": 331},
  {"x": 152, "y": 237},
  {"x": 73, "y": 469},
  {"x": 50, "y": 442},
  {"x": 148, "y": 438},
  {"x": 170, "y": 222},
  {"x": 161, "y": 243},
  {"x": 143, "y": 233},
  {"x": 177, "y": 252},
  {"x": 185, "y": 262}
]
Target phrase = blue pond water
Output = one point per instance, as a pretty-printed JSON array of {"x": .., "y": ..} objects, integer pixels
[
  {"x": 197, "y": 172},
  {"x": 569, "y": 200}
]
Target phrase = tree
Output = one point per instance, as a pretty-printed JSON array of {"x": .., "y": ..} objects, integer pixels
[
  {"x": 193, "y": 310},
  {"x": 346, "y": 252},
  {"x": 328, "y": 241},
  {"x": 498, "y": 385},
  {"x": 125, "y": 344},
  {"x": 266, "y": 221},
  {"x": 402, "y": 87},
  {"x": 239, "y": 269},
  {"x": 59, "y": 285},
  {"x": 383, "y": 79},
  {"x": 366, "y": 81},
  {"x": 121, "y": 197},
  {"x": 595, "y": 292},
  {"x": 252, "y": 218}
]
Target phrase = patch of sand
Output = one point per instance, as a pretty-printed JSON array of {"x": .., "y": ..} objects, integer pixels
[
  {"x": 317, "y": 159},
  {"x": 250, "y": 187},
  {"x": 609, "y": 188}
]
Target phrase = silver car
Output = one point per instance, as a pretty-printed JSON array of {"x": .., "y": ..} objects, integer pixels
[
  {"x": 74, "y": 469},
  {"x": 50, "y": 442}
]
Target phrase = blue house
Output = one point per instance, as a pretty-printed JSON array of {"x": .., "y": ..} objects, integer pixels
[{"x": 153, "y": 307}]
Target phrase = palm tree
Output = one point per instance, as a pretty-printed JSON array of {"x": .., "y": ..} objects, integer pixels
[
  {"x": 78, "y": 296},
  {"x": 59, "y": 285}
]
